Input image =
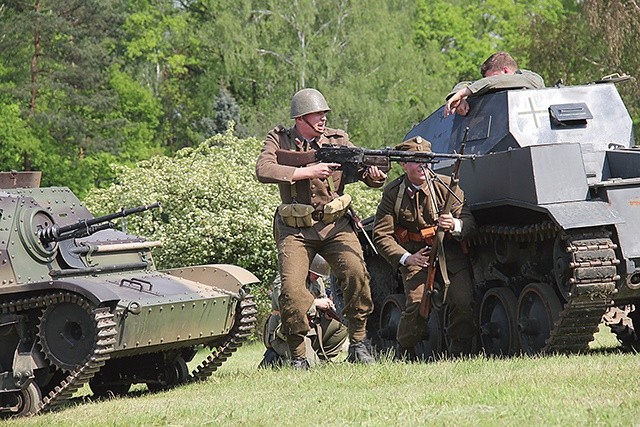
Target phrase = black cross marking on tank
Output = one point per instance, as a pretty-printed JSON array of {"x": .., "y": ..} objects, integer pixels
[{"x": 533, "y": 112}]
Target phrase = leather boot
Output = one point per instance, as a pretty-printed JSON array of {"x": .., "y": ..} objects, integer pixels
[
  {"x": 405, "y": 354},
  {"x": 359, "y": 353},
  {"x": 460, "y": 347}
]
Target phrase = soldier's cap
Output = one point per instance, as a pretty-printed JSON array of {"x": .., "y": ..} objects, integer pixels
[{"x": 417, "y": 143}]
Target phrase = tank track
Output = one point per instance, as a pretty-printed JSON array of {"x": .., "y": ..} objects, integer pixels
[
  {"x": 591, "y": 274},
  {"x": 245, "y": 322},
  {"x": 104, "y": 345}
]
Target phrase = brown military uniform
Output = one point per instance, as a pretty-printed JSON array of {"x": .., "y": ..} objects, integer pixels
[
  {"x": 413, "y": 211},
  {"x": 336, "y": 241}
]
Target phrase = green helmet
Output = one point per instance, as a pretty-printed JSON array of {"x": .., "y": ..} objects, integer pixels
[
  {"x": 307, "y": 101},
  {"x": 320, "y": 266}
]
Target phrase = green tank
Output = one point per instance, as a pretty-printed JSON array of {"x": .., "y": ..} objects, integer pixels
[{"x": 81, "y": 302}]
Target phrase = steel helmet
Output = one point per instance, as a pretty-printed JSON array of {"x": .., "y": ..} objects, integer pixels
[
  {"x": 320, "y": 267},
  {"x": 307, "y": 101}
]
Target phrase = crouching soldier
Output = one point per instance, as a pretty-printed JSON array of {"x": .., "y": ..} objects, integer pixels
[{"x": 326, "y": 338}]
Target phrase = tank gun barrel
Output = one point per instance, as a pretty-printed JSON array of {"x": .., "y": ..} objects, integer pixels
[{"x": 87, "y": 227}]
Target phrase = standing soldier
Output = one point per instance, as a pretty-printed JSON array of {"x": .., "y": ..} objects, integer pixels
[
  {"x": 312, "y": 220},
  {"x": 408, "y": 214}
]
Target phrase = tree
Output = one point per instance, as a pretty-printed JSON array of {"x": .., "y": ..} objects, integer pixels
[
  {"x": 468, "y": 32},
  {"x": 594, "y": 38}
]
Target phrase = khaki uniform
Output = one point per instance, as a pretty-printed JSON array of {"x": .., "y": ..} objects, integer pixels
[
  {"x": 413, "y": 211},
  {"x": 337, "y": 242},
  {"x": 522, "y": 79},
  {"x": 325, "y": 340}
]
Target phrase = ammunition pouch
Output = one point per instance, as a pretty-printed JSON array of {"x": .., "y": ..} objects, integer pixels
[
  {"x": 336, "y": 208},
  {"x": 296, "y": 214},
  {"x": 300, "y": 215},
  {"x": 425, "y": 235}
]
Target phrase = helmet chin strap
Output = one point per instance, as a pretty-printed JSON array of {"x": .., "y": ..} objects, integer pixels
[{"x": 304, "y": 119}]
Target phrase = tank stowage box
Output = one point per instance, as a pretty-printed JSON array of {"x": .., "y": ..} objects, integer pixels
[
  {"x": 82, "y": 303},
  {"x": 555, "y": 191}
]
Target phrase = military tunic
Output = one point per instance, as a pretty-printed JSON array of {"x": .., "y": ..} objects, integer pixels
[
  {"x": 521, "y": 79},
  {"x": 337, "y": 242},
  {"x": 415, "y": 212}
]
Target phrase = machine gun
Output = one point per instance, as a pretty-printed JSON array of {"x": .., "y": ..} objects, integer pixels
[
  {"x": 86, "y": 227},
  {"x": 352, "y": 159},
  {"x": 436, "y": 254}
]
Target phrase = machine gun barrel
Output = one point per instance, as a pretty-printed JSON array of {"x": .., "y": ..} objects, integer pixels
[
  {"x": 363, "y": 155},
  {"x": 86, "y": 227}
]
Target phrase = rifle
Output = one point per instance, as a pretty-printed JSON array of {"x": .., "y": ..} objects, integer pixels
[
  {"x": 359, "y": 226},
  {"x": 438, "y": 244},
  {"x": 352, "y": 159},
  {"x": 86, "y": 227}
]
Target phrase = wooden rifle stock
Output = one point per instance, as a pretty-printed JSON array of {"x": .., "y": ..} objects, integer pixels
[{"x": 438, "y": 244}]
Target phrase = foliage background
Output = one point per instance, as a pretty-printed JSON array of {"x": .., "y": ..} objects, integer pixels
[{"x": 128, "y": 101}]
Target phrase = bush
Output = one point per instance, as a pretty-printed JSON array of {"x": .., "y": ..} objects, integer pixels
[{"x": 213, "y": 210}]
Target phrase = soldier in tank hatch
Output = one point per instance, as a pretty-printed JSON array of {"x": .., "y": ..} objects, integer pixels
[
  {"x": 312, "y": 220},
  {"x": 404, "y": 230},
  {"x": 499, "y": 71}
]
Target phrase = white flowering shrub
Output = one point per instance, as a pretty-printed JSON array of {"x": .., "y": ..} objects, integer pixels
[{"x": 213, "y": 210}]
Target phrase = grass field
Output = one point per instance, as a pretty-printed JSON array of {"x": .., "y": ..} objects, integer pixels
[{"x": 598, "y": 388}]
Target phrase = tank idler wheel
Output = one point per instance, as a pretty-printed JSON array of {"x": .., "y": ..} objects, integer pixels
[
  {"x": 101, "y": 390},
  {"x": 389, "y": 319},
  {"x": 174, "y": 374},
  {"x": 498, "y": 323},
  {"x": 538, "y": 310},
  {"x": 67, "y": 333},
  {"x": 22, "y": 403}
]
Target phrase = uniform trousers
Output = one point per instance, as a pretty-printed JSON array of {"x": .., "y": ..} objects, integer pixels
[
  {"x": 460, "y": 316},
  {"x": 343, "y": 253}
]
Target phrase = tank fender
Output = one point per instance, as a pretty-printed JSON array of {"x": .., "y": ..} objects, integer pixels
[
  {"x": 97, "y": 293},
  {"x": 226, "y": 276},
  {"x": 570, "y": 215}
]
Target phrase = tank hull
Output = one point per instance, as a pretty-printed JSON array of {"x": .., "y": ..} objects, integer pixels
[{"x": 93, "y": 308}]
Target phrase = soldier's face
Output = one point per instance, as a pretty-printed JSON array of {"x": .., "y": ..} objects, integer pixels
[
  {"x": 312, "y": 124},
  {"x": 415, "y": 173}
]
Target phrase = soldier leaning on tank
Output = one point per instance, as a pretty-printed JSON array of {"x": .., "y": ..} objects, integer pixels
[
  {"x": 404, "y": 217},
  {"x": 311, "y": 220},
  {"x": 327, "y": 337},
  {"x": 499, "y": 71}
]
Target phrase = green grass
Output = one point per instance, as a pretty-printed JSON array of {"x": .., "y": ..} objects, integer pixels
[{"x": 598, "y": 388}]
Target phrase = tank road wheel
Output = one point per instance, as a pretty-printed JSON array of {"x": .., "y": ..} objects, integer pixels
[
  {"x": 389, "y": 320},
  {"x": 22, "y": 403},
  {"x": 498, "y": 323},
  {"x": 174, "y": 374},
  {"x": 67, "y": 333},
  {"x": 538, "y": 310}
]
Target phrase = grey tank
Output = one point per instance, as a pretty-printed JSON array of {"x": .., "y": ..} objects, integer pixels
[{"x": 555, "y": 190}]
